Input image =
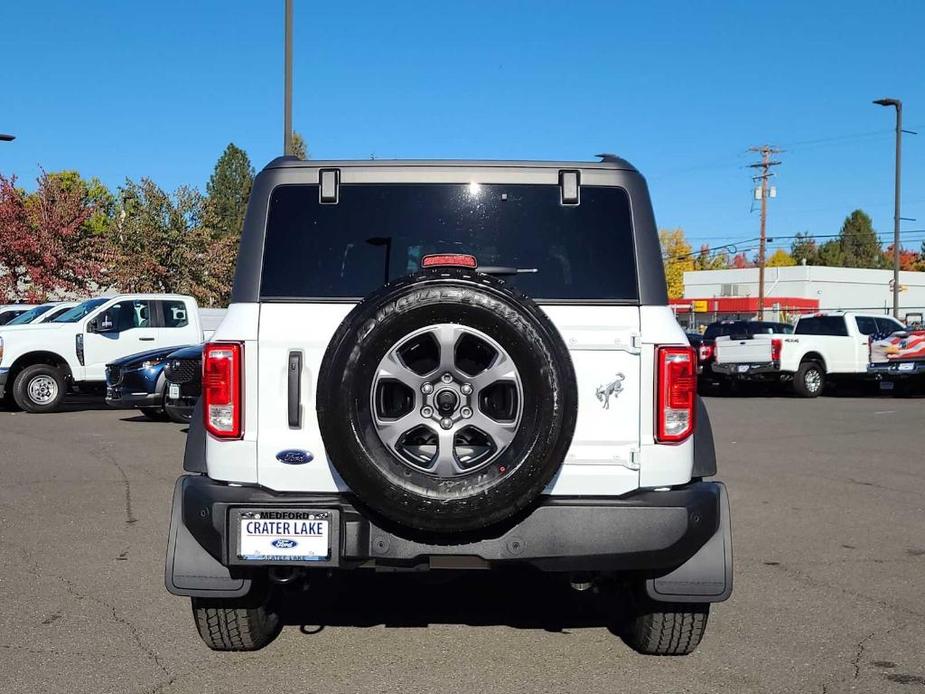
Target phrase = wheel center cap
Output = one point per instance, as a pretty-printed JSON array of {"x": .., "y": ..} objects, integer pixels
[{"x": 446, "y": 401}]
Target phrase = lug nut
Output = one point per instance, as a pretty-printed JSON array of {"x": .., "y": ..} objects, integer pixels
[
  {"x": 446, "y": 422},
  {"x": 466, "y": 389},
  {"x": 427, "y": 388},
  {"x": 447, "y": 378},
  {"x": 427, "y": 412},
  {"x": 466, "y": 412}
]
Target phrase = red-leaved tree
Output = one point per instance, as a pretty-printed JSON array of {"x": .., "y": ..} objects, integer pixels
[{"x": 47, "y": 249}]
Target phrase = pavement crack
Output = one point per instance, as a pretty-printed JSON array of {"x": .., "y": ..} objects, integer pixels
[
  {"x": 35, "y": 568},
  {"x": 126, "y": 483},
  {"x": 859, "y": 653}
]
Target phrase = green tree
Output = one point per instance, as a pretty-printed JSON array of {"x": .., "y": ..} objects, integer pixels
[
  {"x": 299, "y": 148},
  {"x": 710, "y": 260},
  {"x": 678, "y": 258},
  {"x": 858, "y": 242},
  {"x": 804, "y": 247},
  {"x": 228, "y": 190}
]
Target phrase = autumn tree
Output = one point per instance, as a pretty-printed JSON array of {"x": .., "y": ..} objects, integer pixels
[
  {"x": 780, "y": 258},
  {"x": 228, "y": 190},
  {"x": 908, "y": 258},
  {"x": 48, "y": 246},
  {"x": 162, "y": 244},
  {"x": 299, "y": 148},
  {"x": 678, "y": 258}
]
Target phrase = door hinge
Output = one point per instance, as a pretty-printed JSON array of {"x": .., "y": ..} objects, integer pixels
[{"x": 632, "y": 463}]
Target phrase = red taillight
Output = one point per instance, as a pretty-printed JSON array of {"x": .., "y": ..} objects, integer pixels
[
  {"x": 449, "y": 260},
  {"x": 706, "y": 351},
  {"x": 775, "y": 349},
  {"x": 677, "y": 394},
  {"x": 221, "y": 389}
]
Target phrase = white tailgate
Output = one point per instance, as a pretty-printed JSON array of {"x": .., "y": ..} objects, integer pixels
[
  {"x": 600, "y": 339},
  {"x": 604, "y": 451},
  {"x": 753, "y": 350},
  {"x": 284, "y": 328}
]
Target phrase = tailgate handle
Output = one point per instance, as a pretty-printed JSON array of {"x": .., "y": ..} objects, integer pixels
[{"x": 294, "y": 378}]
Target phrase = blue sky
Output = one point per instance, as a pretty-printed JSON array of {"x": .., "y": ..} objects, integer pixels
[{"x": 681, "y": 89}]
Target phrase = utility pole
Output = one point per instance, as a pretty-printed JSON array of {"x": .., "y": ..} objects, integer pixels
[
  {"x": 897, "y": 183},
  {"x": 287, "y": 78},
  {"x": 766, "y": 152}
]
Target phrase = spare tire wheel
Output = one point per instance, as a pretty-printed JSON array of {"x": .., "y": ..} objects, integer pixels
[{"x": 447, "y": 401}]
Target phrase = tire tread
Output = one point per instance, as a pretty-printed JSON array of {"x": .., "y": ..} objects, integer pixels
[{"x": 672, "y": 629}]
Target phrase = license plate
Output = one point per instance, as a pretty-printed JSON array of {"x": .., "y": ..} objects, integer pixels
[
  {"x": 284, "y": 535},
  {"x": 173, "y": 391},
  {"x": 908, "y": 366},
  {"x": 886, "y": 385},
  {"x": 743, "y": 368}
]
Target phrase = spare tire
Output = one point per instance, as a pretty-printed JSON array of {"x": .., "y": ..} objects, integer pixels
[{"x": 447, "y": 401}]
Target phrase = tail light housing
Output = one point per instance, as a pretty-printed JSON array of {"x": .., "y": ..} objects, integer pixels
[
  {"x": 222, "y": 389},
  {"x": 775, "y": 348},
  {"x": 676, "y": 394},
  {"x": 705, "y": 352}
]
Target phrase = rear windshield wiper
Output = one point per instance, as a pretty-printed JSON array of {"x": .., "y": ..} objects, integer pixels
[{"x": 502, "y": 270}]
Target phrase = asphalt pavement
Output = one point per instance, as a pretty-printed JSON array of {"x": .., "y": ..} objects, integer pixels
[{"x": 829, "y": 535}]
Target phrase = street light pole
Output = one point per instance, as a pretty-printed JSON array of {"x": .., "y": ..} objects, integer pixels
[
  {"x": 287, "y": 78},
  {"x": 898, "y": 105}
]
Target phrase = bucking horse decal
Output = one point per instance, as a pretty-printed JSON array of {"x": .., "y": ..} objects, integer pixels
[{"x": 614, "y": 388}]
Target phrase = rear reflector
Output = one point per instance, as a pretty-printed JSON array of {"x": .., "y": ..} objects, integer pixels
[
  {"x": 676, "y": 394},
  {"x": 221, "y": 389},
  {"x": 449, "y": 260}
]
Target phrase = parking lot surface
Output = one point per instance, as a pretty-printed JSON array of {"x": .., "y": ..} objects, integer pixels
[{"x": 829, "y": 533}]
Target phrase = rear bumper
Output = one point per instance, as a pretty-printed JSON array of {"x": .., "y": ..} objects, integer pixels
[
  {"x": 762, "y": 369},
  {"x": 659, "y": 536},
  {"x": 898, "y": 369}
]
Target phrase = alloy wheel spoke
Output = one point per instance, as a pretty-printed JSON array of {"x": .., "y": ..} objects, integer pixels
[
  {"x": 502, "y": 433},
  {"x": 445, "y": 464},
  {"x": 392, "y": 368}
]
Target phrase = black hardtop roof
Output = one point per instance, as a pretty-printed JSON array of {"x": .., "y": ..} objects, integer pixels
[{"x": 608, "y": 161}]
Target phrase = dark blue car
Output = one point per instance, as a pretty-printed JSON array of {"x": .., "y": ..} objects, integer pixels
[
  {"x": 184, "y": 382},
  {"x": 138, "y": 381}
]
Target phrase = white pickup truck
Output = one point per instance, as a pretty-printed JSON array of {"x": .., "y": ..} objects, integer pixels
[
  {"x": 40, "y": 363},
  {"x": 822, "y": 345}
]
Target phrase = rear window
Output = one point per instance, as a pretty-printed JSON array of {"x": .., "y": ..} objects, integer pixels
[
  {"x": 822, "y": 325},
  {"x": 379, "y": 232}
]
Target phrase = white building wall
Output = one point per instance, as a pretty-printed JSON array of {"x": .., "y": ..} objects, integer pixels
[{"x": 834, "y": 287}]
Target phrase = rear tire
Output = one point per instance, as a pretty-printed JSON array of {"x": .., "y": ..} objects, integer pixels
[
  {"x": 666, "y": 628},
  {"x": 809, "y": 380},
  {"x": 235, "y": 624},
  {"x": 39, "y": 388}
]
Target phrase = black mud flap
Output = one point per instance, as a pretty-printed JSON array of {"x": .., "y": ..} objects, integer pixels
[
  {"x": 706, "y": 576},
  {"x": 190, "y": 570}
]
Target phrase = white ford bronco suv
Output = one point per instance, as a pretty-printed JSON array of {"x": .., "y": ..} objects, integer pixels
[{"x": 434, "y": 366}]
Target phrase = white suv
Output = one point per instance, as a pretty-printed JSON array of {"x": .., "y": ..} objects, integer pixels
[{"x": 450, "y": 364}]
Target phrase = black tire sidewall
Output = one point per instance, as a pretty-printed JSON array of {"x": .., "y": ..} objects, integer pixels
[
  {"x": 800, "y": 381},
  {"x": 416, "y": 500},
  {"x": 21, "y": 388}
]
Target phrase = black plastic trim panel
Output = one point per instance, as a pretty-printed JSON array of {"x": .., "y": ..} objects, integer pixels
[{"x": 644, "y": 531}]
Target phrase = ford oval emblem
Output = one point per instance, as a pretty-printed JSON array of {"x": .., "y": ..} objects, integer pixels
[
  {"x": 283, "y": 543},
  {"x": 294, "y": 457}
]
